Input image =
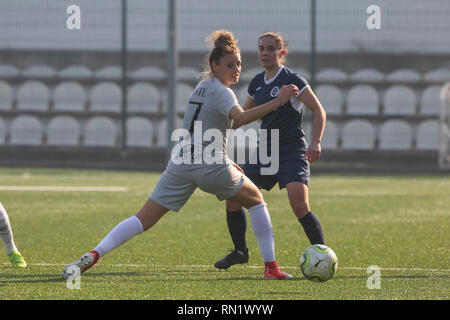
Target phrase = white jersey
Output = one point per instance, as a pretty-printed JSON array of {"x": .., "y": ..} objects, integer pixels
[
  {"x": 207, "y": 114},
  {"x": 207, "y": 117}
]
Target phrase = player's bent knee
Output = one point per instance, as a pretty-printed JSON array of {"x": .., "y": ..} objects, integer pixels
[
  {"x": 247, "y": 197},
  {"x": 254, "y": 200},
  {"x": 255, "y": 196}
]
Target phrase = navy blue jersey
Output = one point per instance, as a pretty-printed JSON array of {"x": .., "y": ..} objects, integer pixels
[{"x": 287, "y": 118}]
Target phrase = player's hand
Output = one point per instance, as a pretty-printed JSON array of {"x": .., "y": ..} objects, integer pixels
[
  {"x": 313, "y": 152},
  {"x": 287, "y": 92},
  {"x": 237, "y": 167}
]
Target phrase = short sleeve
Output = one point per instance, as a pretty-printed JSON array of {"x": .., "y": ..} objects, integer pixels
[
  {"x": 227, "y": 101},
  {"x": 299, "y": 81}
]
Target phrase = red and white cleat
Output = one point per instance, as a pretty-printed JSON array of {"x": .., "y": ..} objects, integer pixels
[
  {"x": 273, "y": 272},
  {"x": 86, "y": 261}
]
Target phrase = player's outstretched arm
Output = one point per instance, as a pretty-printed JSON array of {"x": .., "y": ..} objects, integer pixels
[
  {"x": 242, "y": 117},
  {"x": 249, "y": 103}
]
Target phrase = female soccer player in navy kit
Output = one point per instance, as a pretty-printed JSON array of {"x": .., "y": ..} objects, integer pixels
[
  {"x": 294, "y": 153},
  {"x": 213, "y": 105}
]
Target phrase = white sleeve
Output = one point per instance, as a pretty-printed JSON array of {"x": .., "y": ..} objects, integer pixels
[{"x": 227, "y": 101}]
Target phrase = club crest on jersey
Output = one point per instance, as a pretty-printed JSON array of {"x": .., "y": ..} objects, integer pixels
[{"x": 274, "y": 92}]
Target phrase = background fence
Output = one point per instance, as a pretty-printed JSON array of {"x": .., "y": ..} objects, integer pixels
[{"x": 98, "y": 96}]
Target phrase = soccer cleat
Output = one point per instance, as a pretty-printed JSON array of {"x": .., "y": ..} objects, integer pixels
[
  {"x": 17, "y": 261},
  {"x": 232, "y": 258},
  {"x": 86, "y": 261},
  {"x": 273, "y": 272}
]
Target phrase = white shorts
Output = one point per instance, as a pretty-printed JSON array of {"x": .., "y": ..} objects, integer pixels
[{"x": 178, "y": 182}]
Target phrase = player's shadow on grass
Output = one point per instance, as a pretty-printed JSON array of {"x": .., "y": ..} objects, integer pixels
[
  {"x": 204, "y": 275},
  {"x": 416, "y": 276},
  {"x": 112, "y": 274},
  {"x": 256, "y": 278},
  {"x": 28, "y": 278},
  {"x": 46, "y": 278}
]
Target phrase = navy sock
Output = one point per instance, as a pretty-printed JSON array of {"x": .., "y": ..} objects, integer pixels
[
  {"x": 313, "y": 228},
  {"x": 237, "y": 226}
]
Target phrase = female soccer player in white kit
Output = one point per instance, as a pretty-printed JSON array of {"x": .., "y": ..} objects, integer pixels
[{"x": 214, "y": 106}]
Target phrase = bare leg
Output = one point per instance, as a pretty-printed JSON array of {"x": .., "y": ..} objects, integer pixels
[
  {"x": 298, "y": 197},
  {"x": 150, "y": 213}
]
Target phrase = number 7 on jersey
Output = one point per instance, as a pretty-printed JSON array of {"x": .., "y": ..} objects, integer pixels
[{"x": 197, "y": 111}]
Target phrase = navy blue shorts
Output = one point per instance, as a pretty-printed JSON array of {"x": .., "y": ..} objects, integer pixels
[{"x": 291, "y": 170}]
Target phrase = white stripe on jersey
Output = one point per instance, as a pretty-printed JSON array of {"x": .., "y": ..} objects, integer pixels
[{"x": 295, "y": 101}]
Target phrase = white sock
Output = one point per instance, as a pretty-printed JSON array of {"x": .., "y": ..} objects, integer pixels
[
  {"x": 262, "y": 228},
  {"x": 121, "y": 233},
  {"x": 6, "y": 231}
]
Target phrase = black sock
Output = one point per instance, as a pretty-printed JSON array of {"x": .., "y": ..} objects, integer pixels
[
  {"x": 237, "y": 226},
  {"x": 312, "y": 228}
]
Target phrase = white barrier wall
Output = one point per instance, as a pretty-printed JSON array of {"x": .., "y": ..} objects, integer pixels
[{"x": 406, "y": 25}]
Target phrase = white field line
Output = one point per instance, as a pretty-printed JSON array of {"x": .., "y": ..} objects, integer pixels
[
  {"x": 63, "y": 189},
  {"x": 197, "y": 266}
]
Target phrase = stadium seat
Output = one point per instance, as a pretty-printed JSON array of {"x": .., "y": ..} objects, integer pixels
[
  {"x": 367, "y": 75},
  {"x": 399, "y": 100},
  {"x": 445, "y": 94},
  {"x": 395, "y": 135},
  {"x": 427, "y": 135},
  {"x": 163, "y": 92},
  {"x": 362, "y": 100},
  {"x": 331, "y": 98},
  {"x": 63, "y": 131},
  {"x": 2, "y": 131},
  {"x": 331, "y": 75},
  {"x": 106, "y": 97},
  {"x": 161, "y": 131},
  {"x": 108, "y": 72},
  {"x": 430, "y": 103},
  {"x": 139, "y": 132},
  {"x": 143, "y": 97},
  {"x": 39, "y": 71},
  {"x": 100, "y": 131},
  {"x": 330, "y": 138},
  {"x": 26, "y": 130},
  {"x": 403, "y": 75},
  {"x": 437, "y": 75},
  {"x": 184, "y": 91},
  {"x": 75, "y": 72},
  {"x": 33, "y": 96},
  {"x": 188, "y": 74},
  {"x": 69, "y": 96},
  {"x": 148, "y": 73},
  {"x": 6, "y": 96},
  {"x": 8, "y": 71},
  {"x": 358, "y": 135}
]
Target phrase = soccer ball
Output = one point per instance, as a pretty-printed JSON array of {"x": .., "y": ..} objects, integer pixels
[{"x": 318, "y": 263}]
